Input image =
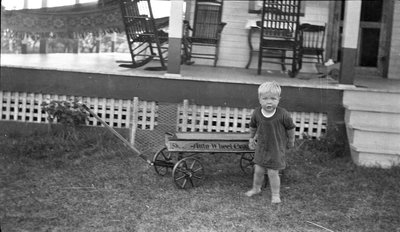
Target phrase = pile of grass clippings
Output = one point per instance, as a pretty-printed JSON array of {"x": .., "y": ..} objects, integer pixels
[{"x": 91, "y": 182}]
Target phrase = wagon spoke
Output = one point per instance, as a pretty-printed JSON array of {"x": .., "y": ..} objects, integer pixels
[
  {"x": 197, "y": 177},
  {"x": 180, "y": 178},
  {"x": 184, "y": 183},
  {"x": 192, "y": 165},
  {"x": 191, "y": 182},
  {"x": 166, "y": 156},
  {"x": 188, "y": 170},
  {"x": 163, "y": 161},
  {"x": 246, "y": 162},
  {"x": 200, "y": 168}
]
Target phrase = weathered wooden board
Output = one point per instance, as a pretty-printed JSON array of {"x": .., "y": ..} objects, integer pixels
[
  {"x": 212, "y": 136},
  {"x": 222, "y": 146}
]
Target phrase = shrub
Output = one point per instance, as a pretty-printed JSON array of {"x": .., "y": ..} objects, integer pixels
[{"x": 68, "y": 113}]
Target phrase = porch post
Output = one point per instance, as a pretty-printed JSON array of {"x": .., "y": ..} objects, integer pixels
[
  {"x": 113, "y": 41},
  {"x": 24, "y": 41},
  {"x": 43, "y": 46},
  {"x": 43, "y": 39},
  {"x": 44, "y": 3},
  {"x": 175, "y": 37},
  {"x": 24, "y": 44},
  {"x": 351, "y": 25}
]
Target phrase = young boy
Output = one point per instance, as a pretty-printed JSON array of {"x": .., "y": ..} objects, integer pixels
[{"x": 272, "y": 131}]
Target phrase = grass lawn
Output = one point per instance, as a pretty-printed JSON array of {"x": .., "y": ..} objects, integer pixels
[{"x": 93, "y": 183}]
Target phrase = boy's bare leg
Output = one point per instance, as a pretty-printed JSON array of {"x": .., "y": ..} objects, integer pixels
[
  {"x": 275, "y": 183},
  {"x": 257, "y": 181}
]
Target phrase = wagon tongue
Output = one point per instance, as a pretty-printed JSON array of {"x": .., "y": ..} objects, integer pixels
[
  {"x": 164, "y": 163},
  {"x": 126, "y": 142}
]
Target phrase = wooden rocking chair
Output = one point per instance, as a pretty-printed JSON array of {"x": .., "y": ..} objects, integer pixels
[
  {"x": 280, "y": 34},
  {"x": 313, "y": 43},
  {"x": 206, "y": 30},
  {"x": 145, "y": 40}
]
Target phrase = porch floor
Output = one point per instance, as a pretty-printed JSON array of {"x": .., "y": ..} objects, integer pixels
[{"x": 105, "y": 63}]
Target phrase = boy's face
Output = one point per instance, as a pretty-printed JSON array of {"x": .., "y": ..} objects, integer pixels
[{"x": 269, "y": 101}]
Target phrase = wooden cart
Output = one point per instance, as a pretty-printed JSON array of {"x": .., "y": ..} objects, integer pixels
[{"x": 187, "y": 171}]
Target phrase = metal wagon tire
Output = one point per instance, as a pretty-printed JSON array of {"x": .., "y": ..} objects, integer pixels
[
  {"x": 163, "y": 161},
  {"x": 188, "y": 172},
  {"x": 247, "y": 163}
]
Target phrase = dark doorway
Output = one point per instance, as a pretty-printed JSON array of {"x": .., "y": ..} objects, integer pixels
[
  {"x": 369, "y": 47},
  {"x": 370, "y": 27},
  {"x": 374, "y": 40}
]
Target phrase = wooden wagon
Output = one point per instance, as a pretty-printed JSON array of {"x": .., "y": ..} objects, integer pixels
[
  {"x": 187, "y": 171},
  {"x": 177, "y": 155}
]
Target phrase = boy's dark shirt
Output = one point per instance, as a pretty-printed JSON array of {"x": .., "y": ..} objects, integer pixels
[{"x": 271, "y": 137}]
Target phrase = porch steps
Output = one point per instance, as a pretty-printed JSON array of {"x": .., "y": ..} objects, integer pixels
[{"x": 373, "y": 126}]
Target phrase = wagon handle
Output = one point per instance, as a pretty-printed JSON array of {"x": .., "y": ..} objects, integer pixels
[{"x": 126, "y": 142}]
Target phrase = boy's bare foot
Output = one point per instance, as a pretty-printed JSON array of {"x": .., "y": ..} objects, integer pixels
[
  {"x": 275, "y": 200},
  {"x": 253, "y": 192}
]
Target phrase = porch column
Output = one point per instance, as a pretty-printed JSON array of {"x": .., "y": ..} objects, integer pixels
[
  {"x": 175, "y": 37},
  {"x": 24, "y": 44},
  {"x": 351, "y": 26},
  {"x": 43, "y": 39},
  {"x": 43, "y": 46},
  {"x": 113, "y": 41},
  {"x": 44, "y": 3},
  {"x": 24, "y": 41}
]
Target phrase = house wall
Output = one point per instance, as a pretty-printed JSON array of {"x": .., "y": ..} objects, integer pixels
[
  {"x": 394, "y": 60},
  {"x": 234, "y": 49}
]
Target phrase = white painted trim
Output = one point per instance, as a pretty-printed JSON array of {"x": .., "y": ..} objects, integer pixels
[
  {"x": 351, "y": 23},
  {"x": 44, "y": 3},
  {"x": 175, "y": 20},
  {"x": 173, "y": 75}
]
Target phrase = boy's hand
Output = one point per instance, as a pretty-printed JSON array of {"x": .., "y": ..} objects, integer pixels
[
  {"x": 290, "y": 144},
  {"x": 291, "y": 138},
  {"x": 252, "y": 143}
]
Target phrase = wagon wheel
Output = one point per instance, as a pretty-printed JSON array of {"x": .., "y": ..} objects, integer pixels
[
  {"x": 163, "y": 161},
  {"x": 246, "y": 162},
  {"x": 188, "y": 172}
]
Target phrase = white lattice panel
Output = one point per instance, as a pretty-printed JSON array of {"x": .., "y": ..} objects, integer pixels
[
  {"x": 193, "y": 118},
  {"x": 26, "y": 107}
]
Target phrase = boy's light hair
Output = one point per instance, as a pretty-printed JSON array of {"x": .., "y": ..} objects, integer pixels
[{"x": 269, "y": 87}]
